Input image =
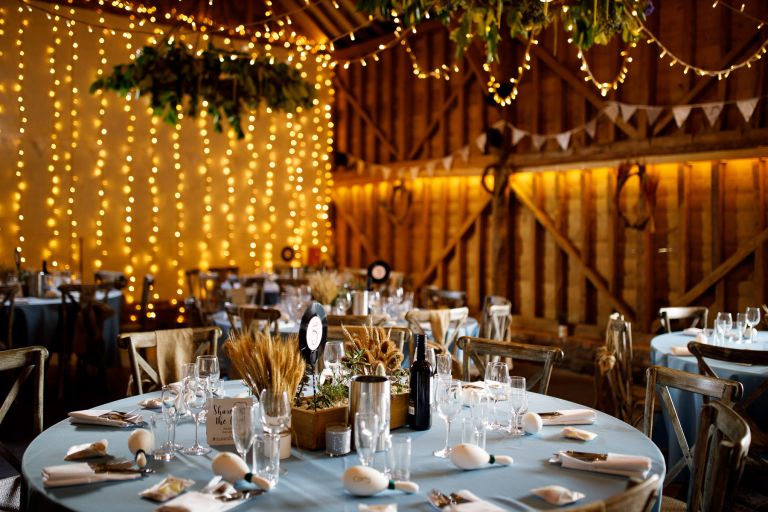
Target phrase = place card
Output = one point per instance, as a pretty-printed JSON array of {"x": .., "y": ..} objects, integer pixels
[{"x": 218, "y": 421}]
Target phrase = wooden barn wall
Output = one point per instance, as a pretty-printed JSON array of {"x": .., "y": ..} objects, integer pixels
[{"x": 562, "y": 227}]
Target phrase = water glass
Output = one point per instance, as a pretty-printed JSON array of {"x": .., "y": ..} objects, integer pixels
[
  {"x": 266, "y": 456},
  {"x": 480, "y": 412},
  {"x": 753, "y": 318},
  {"x": 723, "y": 325},
  {"x": 245, "y": 425},
  {"x": 496, "y": 376},
  {"x": 332, "y": 356},
  {"x": 518, "y": 403},
  {"x": 443, "y": 362},
  {"x": 400, "y": 458},
  {"x": 161, "y": 427},
  {"x": 208, "y": 371},
  {"x": 366, "y": 436},
  {"x": 741, "y": 325}
]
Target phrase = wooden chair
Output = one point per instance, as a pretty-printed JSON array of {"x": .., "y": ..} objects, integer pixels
[
  {"x": 721, "y": 453},
  {"x": 659, "y": 379},
  {"x": 25, "y": 363},
  {"x": 480, "y": 350},
  {"x": 697, "y": 317},
  {"x": 497, "y": 319},
  {"x": 702, "y": 352},
  {"x": 442, "y": 336},
  {"x": 254, "y": 286},
  {"x": 285, "y": 282},
  {"x": 613, "y": 371},
  {"x": 114, "y": 277},
  {"x": 200, "y": 340},
  {"x": 253, "y": 318},
  {"x": 436, "y": 298},
  {"x": 640, "y": 496},
  {"x": 204, "y": 288},
  {"x": 142, "y": 308},
  {"x": 7, "y": 307}
]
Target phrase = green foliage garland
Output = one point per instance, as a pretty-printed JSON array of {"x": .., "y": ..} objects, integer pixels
[
  {"x": 588, "y": 21},
  {"x": 228, "y": 84}
]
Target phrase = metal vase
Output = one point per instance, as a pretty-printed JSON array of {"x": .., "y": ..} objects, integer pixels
[
  {"x": 360, "y": 302},
  {"x": 364, "y": 391}
]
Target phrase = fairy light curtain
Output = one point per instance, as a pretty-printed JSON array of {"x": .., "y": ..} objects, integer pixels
[{"x": 144, "y": 196}]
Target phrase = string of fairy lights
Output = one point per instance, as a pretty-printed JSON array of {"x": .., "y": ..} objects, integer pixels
[
  {"x": 21, "y": 184},
  {"x": 74, "y": 136},
  {"x": 51, "y": 202}
]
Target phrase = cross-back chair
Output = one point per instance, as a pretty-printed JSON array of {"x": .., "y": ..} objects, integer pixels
[
  {"x": 694, "y": 316},
  {"x": 252, "y": 319},
  {"x": 7, "y": 307},
  {"x": 497, "y": 319},
  {"x": 613, "y": 371},
  {"x": 254, "y": 286},
  {"x": 640, "y": 496},
  {"x": 204, "y": 289},
  {"x": 480, "y": 350},
  {"x": 702, "y": 352},
  {"x": 114, "y": 277},
  {"x": 173, "y": 347},
  {"x": 140, "y": 310},
  {"x": 28, "y": 364},
  {"x": 436, "y": 298},
  {"x": 659, "y": 380}
]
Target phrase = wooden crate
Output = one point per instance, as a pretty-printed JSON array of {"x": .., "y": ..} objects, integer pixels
[{"x": 309, "y": 426}]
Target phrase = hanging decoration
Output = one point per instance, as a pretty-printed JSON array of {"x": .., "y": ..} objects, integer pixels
[
  {"x": 398, "y": 204},
  {"x": 647, "y": 195},
  {"x": 175, "y": 77}
]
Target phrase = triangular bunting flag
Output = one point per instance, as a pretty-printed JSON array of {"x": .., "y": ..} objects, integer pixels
[
  {"x": 653, "y": 114},
  {"x": 465, "y": 153},
  {"x": 612, "y": 110},
  {"x": 590, "y": 128},
  {"x": 747, "y": 108},
  {"x": 414, "y": 172},
  {"x": 517, "y": 135},
  {"x": 712, "y": 111},
  {"x": 448, "y": 162},
  {"x": 481, "y": 140},
  {"x": 627, "y": 111},
  {"x": 538, "y": 140},
  {"x": 681, "y": 114},
  {"x": 563, "y": 139},
  {"x": 385, "y": 172},
  {"x": 400, "y": 173}
]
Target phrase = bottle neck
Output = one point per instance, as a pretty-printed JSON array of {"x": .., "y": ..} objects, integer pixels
[{"x": 420, "y": 347}]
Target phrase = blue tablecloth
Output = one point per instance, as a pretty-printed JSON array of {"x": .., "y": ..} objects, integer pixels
[
  {"x": 688, "y": 405},
  {"x": 36, "y": 322},
  {"x": 312, "y": 482}
]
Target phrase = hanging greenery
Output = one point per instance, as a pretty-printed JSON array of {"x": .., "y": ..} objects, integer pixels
[
  {"x": 588, "y": 21},
  {"x": 228, "y": 84}
]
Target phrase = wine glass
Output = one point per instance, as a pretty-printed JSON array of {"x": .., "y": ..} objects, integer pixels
[
  {"x": 168, "y": 401},
  {"x": 245, "y": 422},
  {"x": 448, "y": 399},
  {"x": 374, "y": 302},
  {"x": 332, "y": 355},
  {"x": 196, "y": 398},
  {"x": 723, "y": 325},
  {"x": 753, "y": 318},
  {"x": 496, "y": 375},
  {"x": 518, "y": 402},
  {"x": 741, "y": 324},
  {"x": 431, "y": 359},
  {"x": 208, "y": 371},
  {"x": 366, "y": 436},
  {"x": 342, "y": 302},
  {"x": 443, "y": 365}
]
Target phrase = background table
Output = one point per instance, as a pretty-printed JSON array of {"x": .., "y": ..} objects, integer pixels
[
  {"x": 36, "y": 322},
  {"x": 313, "y": 480},
  {"x": 688, "y": 405}
]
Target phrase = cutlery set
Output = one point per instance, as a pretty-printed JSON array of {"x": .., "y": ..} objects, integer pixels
[{"x": 439, "y": 500}]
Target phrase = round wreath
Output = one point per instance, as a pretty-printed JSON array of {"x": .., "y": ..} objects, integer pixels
[
  {"x": 399, "y": 194},
  {"x": 647, "y": 202}
]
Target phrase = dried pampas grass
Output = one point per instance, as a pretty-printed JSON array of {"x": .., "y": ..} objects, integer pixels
[{"x": 266, "y": 363}]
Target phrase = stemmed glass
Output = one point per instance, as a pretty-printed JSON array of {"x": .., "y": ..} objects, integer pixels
[
  {"x": 168, "y": 401},
  {"x": 430, "y": 356},
  {"x": 208, "y": 371},
  {"x": 275, "y": 418},
  {"x": 245, "y": 422},
  {"x": 723, "y": 325},
  {"x": 496, "y": 375},
  {"x": 741, "y": 324},
  {"x": 448, "y": 398},
  {"x": 518, "y": 403},
  {"x": 753, "y": 318},
  {"x": 366, "y": 436},
  {"x": 332, "y": 356},
  {"x": 342, "y": 302},
  {"x": 374, "y": 302},
  {"x": 196, "y": 399}
]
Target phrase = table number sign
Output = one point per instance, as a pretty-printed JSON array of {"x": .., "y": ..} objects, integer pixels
[
  {"x": 313, "y": 332},
  {"x": 378, "y": 272},
  {"x": 218, "y": 421}
]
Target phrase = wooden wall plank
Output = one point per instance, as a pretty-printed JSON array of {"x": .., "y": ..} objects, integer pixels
[
  {"x": 717, "y": 207},
  {"x": 561, "y": 260},
  {"x": 760, "y": 191}
]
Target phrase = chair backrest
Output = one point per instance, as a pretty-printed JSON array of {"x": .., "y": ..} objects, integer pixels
[
  {"x": 659, "y": 379},
  {"x": 115, "y": 278},
  {"x": 7, "y": 307},
  {"x": 198, "y": 341},
  {"x": 76, "y": 299},
  {"x": 146, "y": 290},
  {"x": 696, "y": 316},
  {"x": 205, "y": 288},
  {"x": 444, "y": 323},
  {"x": 255, "y": 318},
  {"x": 295, "y": 282},
  {"x": 702, "y": 352},
  {"x": 640, "y": 496},
  {"x": 721, "y": 453},
  {"x": 436, "y": 298},
  {"x": 496, "y": 321},
  {"x": 480, "y": 350},
  {"x": 30, "y": 362},
  {"x": 613, "y": 370}
]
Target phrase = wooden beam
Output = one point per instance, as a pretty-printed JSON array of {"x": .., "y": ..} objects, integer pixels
[
  {"x": 364, "y": 114},
  {"x": 368, "y": 46},
  {"x": 587, "y": 313},
  {"x": 561, "y": 261},
  {"x": 760, "y": 188},
  {"x": 717, "y": 209},
  {"x": 465, "y": 227},
  {"x": 573, "y": 252}
]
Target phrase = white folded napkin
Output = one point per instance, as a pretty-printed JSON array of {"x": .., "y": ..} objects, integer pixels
[
  {"x": 84, "y": 451},
  {"x": 197, "y": 502},
  {"x": 168, "y": 488},
  {"x": 557, "y": 494},
  {"x": 95, "y": 417},
  {"x": 571, "y": 417},
  {"x": 615, "y": 464},
  {"x": 474, "y": 504},
  {"x": 577, "y": 433},
  {"x": 679, "y": 351},
  {"x": 78, "y": 474}
]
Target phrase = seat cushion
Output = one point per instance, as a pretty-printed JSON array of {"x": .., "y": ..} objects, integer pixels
[{"x": 10, "y": 493}]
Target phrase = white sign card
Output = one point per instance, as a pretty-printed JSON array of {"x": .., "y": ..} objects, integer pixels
[
  {"x": 218, "y": 420},
  {"x": 314, "y": 332}
]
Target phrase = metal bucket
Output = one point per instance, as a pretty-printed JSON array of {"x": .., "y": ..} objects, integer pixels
[
  {"x": 365, "y": 390},
  {"x": 360, "y": 302}
]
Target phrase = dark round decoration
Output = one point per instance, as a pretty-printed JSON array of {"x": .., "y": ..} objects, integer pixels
[
  {"x": 378, "y": 272},
  {"x": 313, "y": 332},
  {"x": 287, "y": 253}
]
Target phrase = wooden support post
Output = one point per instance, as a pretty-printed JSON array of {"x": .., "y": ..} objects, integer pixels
[
  {"x": 761, "y": 222},
  {"x": 717, "y": 207},
  {"x": 462, "y": 249},
  {"x": 561, "y": 260},
  {"x": 684, "y": 221},
  {"x": 537, "y": 243},
  {"x": 588, "y": 313}
]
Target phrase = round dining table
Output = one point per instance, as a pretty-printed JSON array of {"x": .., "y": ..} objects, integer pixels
[
  {"x": 688, "y": 405},
  {"x": 313, "y": 480}
]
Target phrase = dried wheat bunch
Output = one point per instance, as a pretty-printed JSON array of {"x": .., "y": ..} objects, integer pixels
[
  {"x": 325, "y": 286},
  {"x": 266, "y": 363},
  {"x": 370, "y": 347}
]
